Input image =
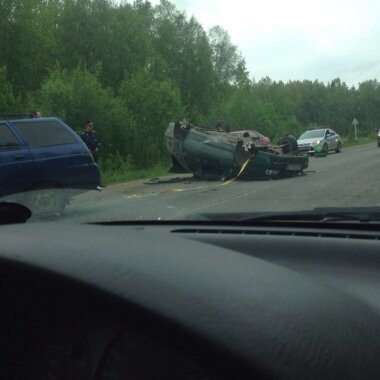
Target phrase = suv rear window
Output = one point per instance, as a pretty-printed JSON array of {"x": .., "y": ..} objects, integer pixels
[
  {"x": 8, "y": 140},
  {"x": 45, "y": 134}
]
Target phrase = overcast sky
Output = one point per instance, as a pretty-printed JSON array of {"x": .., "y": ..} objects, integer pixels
[{"x": 298, "y": 39}]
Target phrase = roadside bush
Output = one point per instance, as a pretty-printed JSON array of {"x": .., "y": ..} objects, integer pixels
[
  {"x": 78, "y": 95},
  {"x": 8, "y": 102}
]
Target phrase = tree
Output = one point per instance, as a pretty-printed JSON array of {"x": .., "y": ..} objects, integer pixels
[
  {"x": 183, "y": 45},
  {"x": 27, "y": 44},
  {"x": 8, "y": 102},
  {"x": 368, "y": 105},
  {"x": 228, "y": 64},
  {"x": 153, "y": 104},
  {"x": 77, "y": 95}
]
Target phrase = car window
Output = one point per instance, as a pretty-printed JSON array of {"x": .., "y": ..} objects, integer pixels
[
  {"x": 45, "y": 134},
  {"x": 312, "y": 134},
  {"x": 8, "y": 140}
]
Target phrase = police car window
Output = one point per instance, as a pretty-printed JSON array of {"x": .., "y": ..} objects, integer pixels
[
  {"x": 8, "y": 140},
  {"x": 45, "y": 134}
]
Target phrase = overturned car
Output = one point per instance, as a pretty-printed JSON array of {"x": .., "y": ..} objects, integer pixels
[{"x": 216, "y": 154}]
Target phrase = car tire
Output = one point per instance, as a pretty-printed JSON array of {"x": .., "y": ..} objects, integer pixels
[
  {"x": 378, "y": 144},
  {"x": 338, "y": 148},
  {"x": 222, "y": 126},
  {"x": 325, "y": 149},
  {"x": 289, "y": 144}
]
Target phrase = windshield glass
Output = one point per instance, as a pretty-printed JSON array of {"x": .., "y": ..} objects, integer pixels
[
  {"x": 169, "y": 110},
  {"x": 312, "y": 134}
]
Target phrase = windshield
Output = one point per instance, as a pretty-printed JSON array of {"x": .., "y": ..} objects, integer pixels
[
  {"x": 170, "y": 110},
  {"x": 312, "y": 134}
]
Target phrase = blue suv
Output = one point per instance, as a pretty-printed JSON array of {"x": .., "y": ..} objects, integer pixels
[{"x": 44, "y": 157}]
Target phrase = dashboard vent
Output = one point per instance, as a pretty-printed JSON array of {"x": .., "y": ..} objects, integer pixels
[{"x": 322, "y": 234}]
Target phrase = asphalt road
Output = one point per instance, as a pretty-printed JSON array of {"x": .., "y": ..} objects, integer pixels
[{"x": 350, "y": 178}]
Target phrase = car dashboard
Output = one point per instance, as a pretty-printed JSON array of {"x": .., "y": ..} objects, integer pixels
[
  {"x": 53, "y": 330},
  {"x": 189, "y": 301}
]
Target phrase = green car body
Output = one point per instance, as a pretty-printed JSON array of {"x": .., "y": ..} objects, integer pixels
[{"x": 211, "y": 154}]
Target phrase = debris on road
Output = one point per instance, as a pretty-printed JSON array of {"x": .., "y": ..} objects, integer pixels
[{"x": 158, "y": 181}]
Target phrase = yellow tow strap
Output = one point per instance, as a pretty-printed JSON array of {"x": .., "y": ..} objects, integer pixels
[
  {"x": 240, "y": 172},
  {"x": 229, "y": 181}
]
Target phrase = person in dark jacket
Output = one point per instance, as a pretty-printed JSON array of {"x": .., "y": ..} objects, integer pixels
[{"x": 91, "y": 139}]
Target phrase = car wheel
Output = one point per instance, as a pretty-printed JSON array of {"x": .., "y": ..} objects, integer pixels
[
  {"x": 378, "y": 144},
  {"x": 325, "y": 149},
  {"x": 46, "y": 202},
  {"x": 289, "y": 144},
  {"x": 222, "y": 126},
  {"x": 338, "y": 148}
]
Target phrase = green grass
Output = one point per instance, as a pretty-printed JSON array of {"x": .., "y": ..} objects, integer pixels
[
  {"x": 127, "y": 173},
  {"x": 350, "y": 141}
]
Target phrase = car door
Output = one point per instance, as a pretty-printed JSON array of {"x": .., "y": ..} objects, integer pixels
[
  {"x": 329, "y": 137},
  {"x": 15, "y": 162},
  {"x": 334, "y": 140}
]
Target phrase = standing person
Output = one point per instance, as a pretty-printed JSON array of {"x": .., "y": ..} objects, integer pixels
[{"x": 91, "y": 139}]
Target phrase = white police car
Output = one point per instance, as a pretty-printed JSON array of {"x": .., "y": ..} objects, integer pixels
[{"x": 321, "y": 140}]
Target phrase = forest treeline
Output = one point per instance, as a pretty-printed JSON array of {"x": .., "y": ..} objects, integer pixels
[{"x": 133, "y": 68}]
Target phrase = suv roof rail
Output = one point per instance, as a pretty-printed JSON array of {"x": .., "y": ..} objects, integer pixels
[{"x": 14, "y": 115}]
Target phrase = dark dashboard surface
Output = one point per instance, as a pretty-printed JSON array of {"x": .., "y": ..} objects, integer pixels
[{"x": 188, "y": 302}]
